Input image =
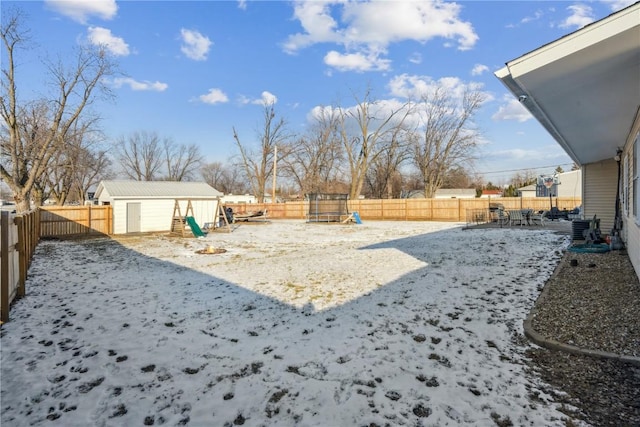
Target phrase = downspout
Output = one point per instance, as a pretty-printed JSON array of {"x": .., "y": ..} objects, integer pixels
[{"x": 616, "y": 241}]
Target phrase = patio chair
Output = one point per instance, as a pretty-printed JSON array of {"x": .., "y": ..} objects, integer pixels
[
  {"x": 538, "y": 217},
  {"x": 499, "y": 216},
  {"x": 516, "y": 216}
]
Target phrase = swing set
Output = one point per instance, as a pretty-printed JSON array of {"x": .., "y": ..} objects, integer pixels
[{"x": 185, "y": 223}]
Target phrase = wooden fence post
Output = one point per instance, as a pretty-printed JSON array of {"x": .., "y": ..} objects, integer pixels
[
  {"x": 4, "y": 266},
  {"x": 22, "y": 255}
]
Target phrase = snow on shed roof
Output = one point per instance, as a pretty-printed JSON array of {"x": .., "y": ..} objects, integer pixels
[{"x": 157, "y": 189}]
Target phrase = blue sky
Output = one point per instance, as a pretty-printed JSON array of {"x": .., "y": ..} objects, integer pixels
[{"x": 192, "y": 70}]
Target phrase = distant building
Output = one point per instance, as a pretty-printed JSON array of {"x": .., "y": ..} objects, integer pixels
[
  {"x": 443, "y": 193},
  {"x": 239, "y": 198},
  {"x": 567, "y": 184},
  {"x": 456, "y": 193},
  {"x": 491, "y": 193}
]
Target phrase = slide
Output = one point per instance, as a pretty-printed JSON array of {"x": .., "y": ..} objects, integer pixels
[{"x": 195, "y": 228}]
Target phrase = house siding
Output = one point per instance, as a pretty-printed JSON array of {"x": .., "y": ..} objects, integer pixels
[
  {"x": 631, "y": 231},
  {"x": 631, "y": 224},
  {"x": 599, "y": 183}
]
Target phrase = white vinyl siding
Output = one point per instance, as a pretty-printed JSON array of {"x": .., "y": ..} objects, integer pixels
[
  {"x": 636, "y": 179},
  {"x": 631, "y": 229},
  {"x": 600, "y": 181}
]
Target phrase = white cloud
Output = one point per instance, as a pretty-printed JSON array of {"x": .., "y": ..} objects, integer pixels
[
  {"x": 81, "y": 10},
  {"x": 365, "y": 27},
  {"x": 194, "y": 45},
  {"x": 242, "y": 4},
  {"x": 214, "y": 96},
  {"x": 580, "y": 15},
  {"x": 545, "y": 153},
  {"x": 140, "y": 86},
  {"x": 479, "y": 69},
  {"x": 536, "y": 16},
  {"x": 616, "y": 5},
  {"x": 102, "y": 36},
  {"x": 356, "y": 62},
  {"x": 415, "y": 87},
  {"x": 415, "y": 58},
  {"x": 512, "y": 109},
  {"x": 266, "y": 98}
]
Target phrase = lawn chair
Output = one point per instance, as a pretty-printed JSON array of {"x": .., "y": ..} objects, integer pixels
[
  {"x": 516, "y": 216},
  {"x": 498, "y": 216},
  {"x": 538, "y": 217}
]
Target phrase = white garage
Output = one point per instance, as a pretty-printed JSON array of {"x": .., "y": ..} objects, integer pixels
[{"x": 149, "y": 206}]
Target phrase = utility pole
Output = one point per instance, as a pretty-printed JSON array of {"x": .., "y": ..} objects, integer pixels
[{"x": 275, "y": 172}]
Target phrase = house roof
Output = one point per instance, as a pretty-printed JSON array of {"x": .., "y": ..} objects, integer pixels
[
  {"x": 531, "y": 187},
  {"x": 584, "y": 88},
  {"x": 157, "y": 189}
]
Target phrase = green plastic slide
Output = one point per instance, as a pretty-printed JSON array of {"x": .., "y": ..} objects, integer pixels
[{"x": 195, "y": 228}]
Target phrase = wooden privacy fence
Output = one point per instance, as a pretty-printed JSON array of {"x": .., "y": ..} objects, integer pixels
[
  {"x": 412, "y": 209},
  {"x": 19, "y": 235},
  {"x": 18, "y": 239},
  {"x": 58, "y": 221}
]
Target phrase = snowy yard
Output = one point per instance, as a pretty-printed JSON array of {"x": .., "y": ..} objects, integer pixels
[{"x": 383, "y": 323}]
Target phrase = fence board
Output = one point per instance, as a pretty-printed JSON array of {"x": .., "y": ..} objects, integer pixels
[
  {"x": 75, "y": 220},
  {"x": 412, "y": 209},
  {"x": 12, "y": 263}
]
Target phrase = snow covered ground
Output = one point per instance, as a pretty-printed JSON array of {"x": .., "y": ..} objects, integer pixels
[{"x": 383, "y": 323}]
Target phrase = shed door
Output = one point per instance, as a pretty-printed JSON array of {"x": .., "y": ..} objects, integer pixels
[{"x": 133, "y": 218}]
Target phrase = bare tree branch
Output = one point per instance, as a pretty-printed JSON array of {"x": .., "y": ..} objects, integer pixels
[{"x": 25, "y": 158}]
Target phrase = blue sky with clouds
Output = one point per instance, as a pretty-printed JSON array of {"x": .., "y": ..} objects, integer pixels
[{"x": 192, "y": 70}]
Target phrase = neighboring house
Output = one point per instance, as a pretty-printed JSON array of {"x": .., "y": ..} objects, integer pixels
[
  {"x": 528, "y": 191},
  {"x": 443, "y": 193},
  {"x": 569, "y": 184},
  {"x": 584, "y": 88},
  {"x": 456, "y": 193},
  {"x": 491, "y": 193},
  {"x": 239, "y": 198},
  {"x": 145, "y": 206}
]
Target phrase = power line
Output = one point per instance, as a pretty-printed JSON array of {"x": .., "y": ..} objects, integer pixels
[{"x": 526, "y": 169}]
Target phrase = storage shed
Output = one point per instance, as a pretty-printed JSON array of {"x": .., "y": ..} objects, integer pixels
[{"x": 147, "y": 206}]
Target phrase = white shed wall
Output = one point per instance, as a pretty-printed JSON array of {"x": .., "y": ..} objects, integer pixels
[{"x": 157, "y": 214}]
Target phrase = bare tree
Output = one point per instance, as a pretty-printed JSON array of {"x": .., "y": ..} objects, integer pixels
[
  {"x": 140, "y": 155},
  {"x": 314, "y": 161},
  {"x": 182, "y": 160},
  {"x": 93, "y": 166},
  {"x": 60, "y": 179},
  {"x": 384, "y": 171},
  {"x": 446, "y": 138},
  {"x": 25, "y": 157},
  {"x": 374, "y": 126},
  {"x": 458, "y": 177},
  {"x": 225, "y": 178},
  {"x": 258, "y": 165}
]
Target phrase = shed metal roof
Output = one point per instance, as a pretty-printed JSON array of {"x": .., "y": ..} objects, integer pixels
[{"x": 157, "y": 189}]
